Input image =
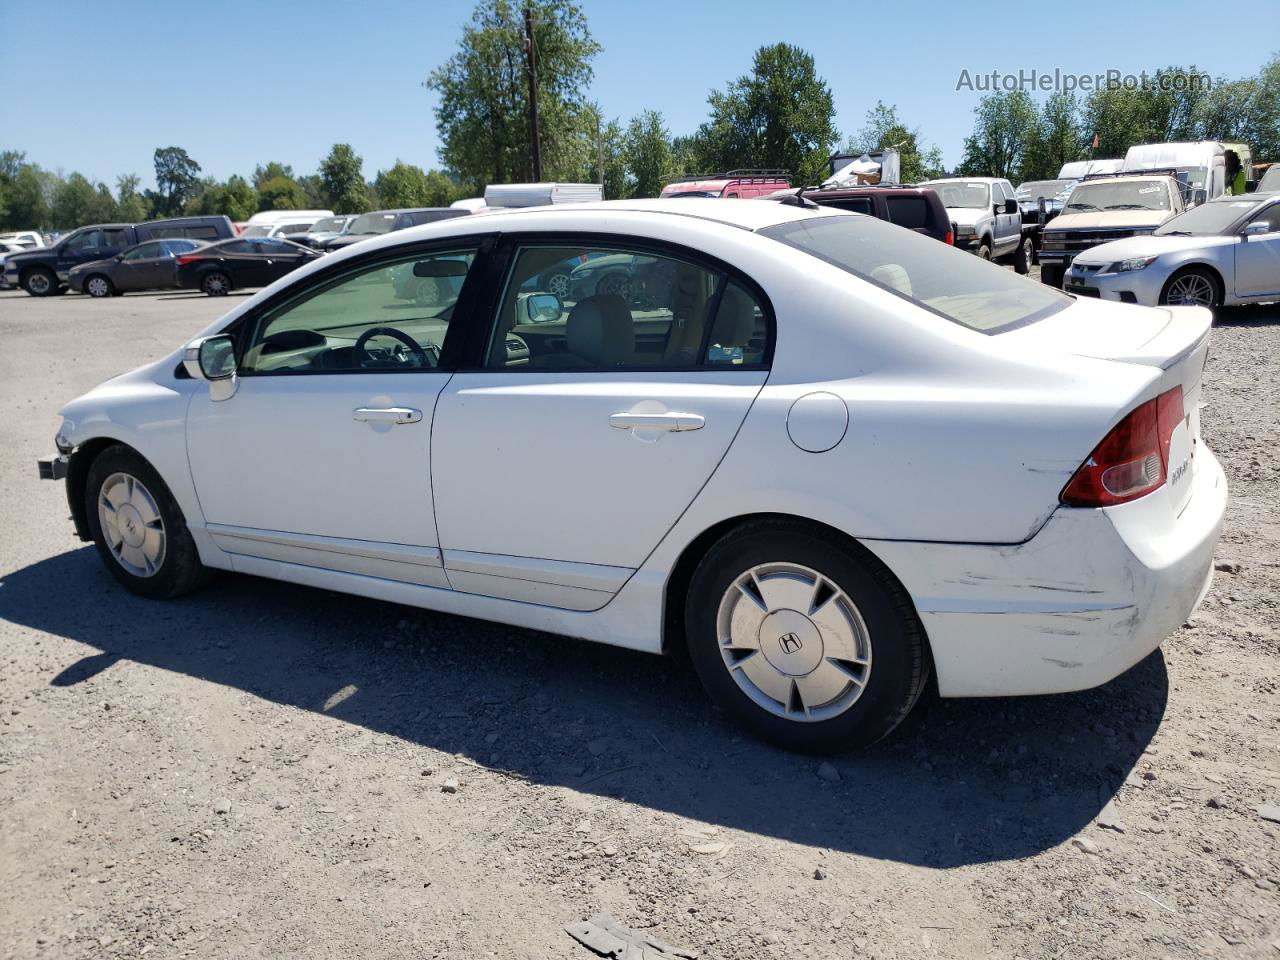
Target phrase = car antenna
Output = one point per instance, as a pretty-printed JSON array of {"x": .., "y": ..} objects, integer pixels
[{"x": 798, "y": 199}]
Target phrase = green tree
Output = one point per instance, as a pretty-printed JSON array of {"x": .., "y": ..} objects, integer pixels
[
  {"x": 130, "y": 206},
  {"x": 403, "y": 185},
  {"x": 483, "y": 113},
  {"x": 779, "y": 115},
  {"x": 76, "y": 202},
  {"x": 261, "y": 174},
  {"x": 1056, "y": 138},
  {"x": 26, "y": 200},
  {"x": 312, "y": 191},
  {"x": 884, "y": 128},
  {"x": 1004, "y": 127},
  {"x": 341, "y": 180},
  {"x": 280, "y": 193},
  {"x": 176, "y": 180},
  {"x": 236, "y": 199},
  {"x": 647, "y": 149}
]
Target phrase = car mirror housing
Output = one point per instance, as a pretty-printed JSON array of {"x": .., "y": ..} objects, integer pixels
[
  {"x": 1011, "y": 206},
  {"x": 1253, "y": 229},
  {"x": 213, "y": 359}
]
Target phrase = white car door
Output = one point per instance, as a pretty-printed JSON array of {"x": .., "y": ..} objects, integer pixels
[
  {"x": 589, "y": 425},
  {"x": 1258, "y": 255},
  {"x": 322, "y": 456}
]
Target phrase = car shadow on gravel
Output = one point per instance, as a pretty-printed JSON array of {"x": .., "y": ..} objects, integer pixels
[
  {"x": 1249, "y": 315},
  {"x": 963, "y": 782}
]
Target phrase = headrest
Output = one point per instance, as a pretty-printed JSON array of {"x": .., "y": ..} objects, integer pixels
[
  {"x": 736, "y": 318},
  {"x": 894, "y": 276},
  {"x": 600, "y": 331}
]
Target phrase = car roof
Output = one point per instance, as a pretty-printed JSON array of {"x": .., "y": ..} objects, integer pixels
[
  {"x": 866, "y": 190},
  {"x": 965, "y": 180},
  {"x": 1124, "y": 178},
  {"x": 744, "y": 214}
]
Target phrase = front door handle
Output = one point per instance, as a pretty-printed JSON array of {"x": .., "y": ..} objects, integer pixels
[
  {"x": 672, "y": 422},
  {"x": 386, "y": 415}
]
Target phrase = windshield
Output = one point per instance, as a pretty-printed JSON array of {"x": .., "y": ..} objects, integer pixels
[
  {"x": 1049, "y": 189},
  {"x": 1208, "y": 219},
  {"x": 694, "y": 193},
  {"x": 951, "y": 283},
  {"x": 372, "y": 223},
  {"x": 1270, "y": 180},
  {"x": 328, "y": 225},
  {"x": 257, "y": 230},
  {"x": 955, "y": 193},
  {"x": 1134, "y": 195}
]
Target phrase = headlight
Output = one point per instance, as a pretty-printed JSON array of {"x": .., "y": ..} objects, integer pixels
[
  {"x": 963, "y": 231},
  {"x": 583, "y": 272},
  {"x": 1133, "y": 263},
  {"x": 63, "y": 440}
]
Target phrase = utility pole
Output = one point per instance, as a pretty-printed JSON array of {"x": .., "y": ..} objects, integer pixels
[
  {"x": 600, "y": 156},
  {"x": 532, "y": 56}
]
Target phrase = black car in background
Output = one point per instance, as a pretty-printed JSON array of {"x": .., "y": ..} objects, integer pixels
[
  {"x": 144, "y": 266},
  {"x": 219, "y": 268},
  {"x": 45, "y": 271},
  {"x": 386, "y": 221}
]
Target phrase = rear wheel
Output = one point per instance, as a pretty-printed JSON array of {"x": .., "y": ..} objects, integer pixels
[
  {"x": 1192, "y": 287},
  {"x": 216, "y": 284},
  {"x": 40, "y": 282},
  {"x": 615, "y": 283},
  {"x": 137, "y": 527},
  {"x": 99, "y": 286},
  {"x": 558, "y": 283},
  {"x": 809, "y": 644},
  {"x": 1023, "y": 256}
]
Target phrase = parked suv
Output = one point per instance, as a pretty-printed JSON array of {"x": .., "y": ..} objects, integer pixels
[
  {"x": 739, "y": 184},
  {"x": 915, "y": 208},
  {"x": 1103, "y": 208},
  {"x": 386, "y": 221},
  {"x": 988, "y": 221},
  {"x": 45, "y": 271}
]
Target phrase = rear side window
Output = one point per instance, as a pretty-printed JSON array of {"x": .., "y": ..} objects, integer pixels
[
  {"x": 909, "y": 212},
  {"x": 856, "y": 204},
  {"x": 956, "y": 285}
]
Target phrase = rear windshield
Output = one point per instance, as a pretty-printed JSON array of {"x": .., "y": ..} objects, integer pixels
[{"x": 953, "y": 284}]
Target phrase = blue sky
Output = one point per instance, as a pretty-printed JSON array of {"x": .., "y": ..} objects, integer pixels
[{"x": 96, "y": 87}]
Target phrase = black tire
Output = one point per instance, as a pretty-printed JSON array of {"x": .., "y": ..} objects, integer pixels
[
  {"x": 104, "y": 289},
  {"x": 40, "y": 282},
  {"x": 983, "y": 251},
  {"x": 1023, "y": 256},
  {"x": 180, "y": 570},
  {"x": 900, "y": 663},
  {"x": 1051, "y": 274},
  {"x": 215, "y": 283},
  {"x": 559, "y": 283},
  {"x": 1198, "y": 275},
  {"x": 615, "y": 283}
]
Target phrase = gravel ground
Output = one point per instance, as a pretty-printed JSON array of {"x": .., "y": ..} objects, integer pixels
[{"x": 262, "y": 770}]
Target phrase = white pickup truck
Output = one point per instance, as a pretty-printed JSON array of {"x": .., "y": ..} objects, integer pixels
[
  {"x": 987, "y": 218},
  {"x": 1105, "y": 208}
]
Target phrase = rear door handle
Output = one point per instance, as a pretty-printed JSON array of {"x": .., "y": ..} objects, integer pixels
[
  {"x": 672, "y": 422},
  {"x": 386, "y": 415}
]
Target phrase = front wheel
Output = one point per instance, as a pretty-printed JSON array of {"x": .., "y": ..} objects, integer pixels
[
  {"x": 810, "y": 645},
  {"x": 138, "y": 528},
  {"x": 40, "y": 282},
  {"x": 99, "y": 286},
  {"x": 216, "y": 284},
  {"x": 1192, "y": 287},
  {"x": 983, "y": 251}
]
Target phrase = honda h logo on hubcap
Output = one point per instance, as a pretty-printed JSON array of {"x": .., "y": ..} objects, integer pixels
[{"x": 790, "y": 643}]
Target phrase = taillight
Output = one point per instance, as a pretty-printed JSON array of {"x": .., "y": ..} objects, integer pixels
[
  {"x": 1132, "y": 460},
  {"x": 951, "y": 238},
  {"x": 189, "y": 259}
]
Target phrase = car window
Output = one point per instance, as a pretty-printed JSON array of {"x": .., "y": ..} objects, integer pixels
[
  {"x": 623, "y": 309},
  {"x": 84, "y": 242},
  {"x": 1270, "y": 216},
  {"x": 143, "y": 251},
  {"x": 114, "y": 238},
  {"x": 948, "y": 282},
  {"x": 389, "y": 317},
  {"x": 237, "y": 246},
  {"x": 856, "y": 204},
  {"x": 174, "y": 247},
  {"x": 909, "y": 212}
]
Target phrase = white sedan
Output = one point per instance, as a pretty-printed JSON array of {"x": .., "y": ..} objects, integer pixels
[{"x": 827, "y": 454}]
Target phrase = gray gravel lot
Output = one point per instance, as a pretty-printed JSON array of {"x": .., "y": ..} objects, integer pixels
[{"x": 257, "y": 770}]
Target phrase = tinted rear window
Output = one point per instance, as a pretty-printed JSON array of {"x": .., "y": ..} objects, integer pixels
[
  {"x": 951, "y": 283},
  {"x": 856, "y": 204},
  {"x": 909, "y": 212}
]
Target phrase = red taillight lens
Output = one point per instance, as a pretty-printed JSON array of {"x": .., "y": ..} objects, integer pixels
[
  {"x": 951, "y": 238},
  {"x": 189, "y": 259},
  {"x": 1132, "y": 460}
]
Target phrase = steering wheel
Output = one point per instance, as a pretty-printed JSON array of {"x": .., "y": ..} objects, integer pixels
[{"x": 365, "y": 359}]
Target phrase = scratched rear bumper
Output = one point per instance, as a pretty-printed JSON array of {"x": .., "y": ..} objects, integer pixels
[{"x": 1089, "y": 596}]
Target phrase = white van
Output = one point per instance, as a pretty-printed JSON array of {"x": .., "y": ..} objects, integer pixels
[
  {"x": 278, "y": 223},
  {"x": 1204, "y": 164},
  {"x": 280, "y": 216},
  {"x": 1079, "y": 169}
]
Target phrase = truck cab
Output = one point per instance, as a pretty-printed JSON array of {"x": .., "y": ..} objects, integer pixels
[
  {"x": 1106, "y": 207},
  {"x": 987, "y": 218}
]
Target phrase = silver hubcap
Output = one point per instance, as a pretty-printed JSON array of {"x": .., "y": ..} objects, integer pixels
[
  {"x": 794, "y": 642},
  {"x": 617, "y": 285},
  {"x": 215, "y": 284},
  {"x": 559, "y": 285},
  {"x": 39, "y": 282},
  {"x": 1191, "y": 290},
  {"x": 97, "y": 287},
  {"x": 131, "y": 524}
]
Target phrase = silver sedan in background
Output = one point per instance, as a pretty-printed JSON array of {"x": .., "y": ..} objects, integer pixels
[{"x": 1226, "y": 251}]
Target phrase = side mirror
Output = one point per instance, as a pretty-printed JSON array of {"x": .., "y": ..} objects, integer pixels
[
  {"x": 1011, "y": 206},
  {"x": 1199, "y": 197},
  {"x": 213, "y": 359},
  {"x": 543, "y": 307},
  {"x": 1253, "y": 229}
]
